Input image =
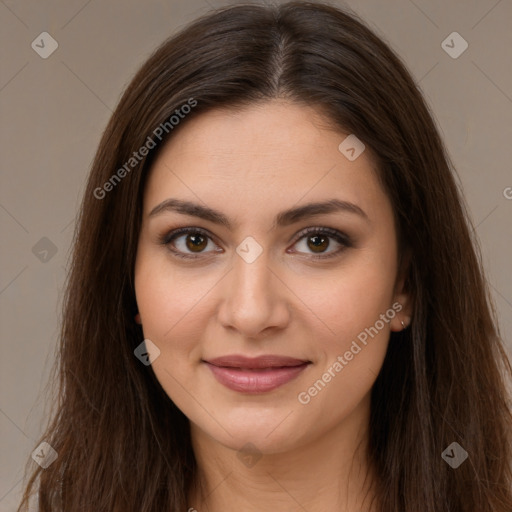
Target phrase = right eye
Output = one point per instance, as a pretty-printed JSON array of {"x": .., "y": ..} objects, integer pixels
[{"x": 181, "y": 240}]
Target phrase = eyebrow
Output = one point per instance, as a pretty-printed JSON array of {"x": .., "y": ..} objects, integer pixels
[{"x": 283, "y": 218}]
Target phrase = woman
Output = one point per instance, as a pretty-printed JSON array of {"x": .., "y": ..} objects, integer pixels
[{"x": 275, "y": 301}]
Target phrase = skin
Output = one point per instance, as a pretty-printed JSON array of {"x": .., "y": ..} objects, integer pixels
[{"x": 250, "y": 165}]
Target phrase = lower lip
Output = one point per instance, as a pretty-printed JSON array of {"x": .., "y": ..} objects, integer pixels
[{"x": 255, "y": 381}]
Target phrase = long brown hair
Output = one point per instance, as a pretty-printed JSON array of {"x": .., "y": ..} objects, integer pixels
[{"x": 122, "y": 444}]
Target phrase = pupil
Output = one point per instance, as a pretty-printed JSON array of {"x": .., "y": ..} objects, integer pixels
[
  {"x": 196, "y": 242},
  {"x": 319, "y": 243}
]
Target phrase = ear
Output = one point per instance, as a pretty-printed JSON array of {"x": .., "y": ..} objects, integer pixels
[
  {"x": 137, "y": 319},
  {"x": 402, "y": 299}
]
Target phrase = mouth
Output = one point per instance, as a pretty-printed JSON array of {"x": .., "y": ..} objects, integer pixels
[{"x": 255, "y": 375}]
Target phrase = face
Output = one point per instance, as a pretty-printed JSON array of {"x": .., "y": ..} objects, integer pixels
[{"x": 272, "y": 316}]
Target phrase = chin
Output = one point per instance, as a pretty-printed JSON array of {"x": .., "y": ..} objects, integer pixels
[{"x": 267, "y": 431}]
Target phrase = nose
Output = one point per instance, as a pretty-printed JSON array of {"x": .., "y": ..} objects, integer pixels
[{"x": 255, "y": 300}]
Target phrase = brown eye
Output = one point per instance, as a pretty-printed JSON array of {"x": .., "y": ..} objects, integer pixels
[
  {"x": 196, "y": 243},
  {"x": 193, "y": 242},
  {"x": 318, "y": 243},
  {"x": 188, "y": 242}
]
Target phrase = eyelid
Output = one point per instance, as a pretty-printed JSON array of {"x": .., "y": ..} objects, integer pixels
[
  {"x": 172, "y": 235},
  {"x": 340, "y": 237}
]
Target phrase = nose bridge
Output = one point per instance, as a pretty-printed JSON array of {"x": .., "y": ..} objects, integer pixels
[
  {"x": 251, "y": 280},
  {"x": 251, "y": 301}
]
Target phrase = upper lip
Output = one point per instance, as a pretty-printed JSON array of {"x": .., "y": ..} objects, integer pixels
[{"x": 265, "y": 361}]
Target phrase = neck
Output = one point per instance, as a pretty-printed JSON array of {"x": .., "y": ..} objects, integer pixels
[{"x": 330, "y": 472}]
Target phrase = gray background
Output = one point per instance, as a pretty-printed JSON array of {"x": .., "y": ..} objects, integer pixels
[{"x": 54, "y": 110}]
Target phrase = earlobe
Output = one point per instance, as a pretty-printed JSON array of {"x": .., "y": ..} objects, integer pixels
[
  {"x": 403, "y": 316},
  {"x": 401, "y": 321},
  {"x": 403, "y": 299},
  {"x": 403, "y": 306},
  {"x": 137, "y": 319}
]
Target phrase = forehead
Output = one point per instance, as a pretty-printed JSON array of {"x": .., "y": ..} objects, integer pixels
[{"x": 267, "y": 153}]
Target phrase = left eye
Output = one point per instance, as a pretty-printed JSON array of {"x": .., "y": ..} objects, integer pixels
[
  {"x": 196, "y": 240},
  {"x": 318, "y": 241}
]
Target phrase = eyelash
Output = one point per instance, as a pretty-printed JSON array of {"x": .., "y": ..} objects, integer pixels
[{"x": 338, "y": 236}]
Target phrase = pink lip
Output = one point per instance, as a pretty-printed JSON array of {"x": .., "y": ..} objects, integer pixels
[{"x": 255, "y": 375}]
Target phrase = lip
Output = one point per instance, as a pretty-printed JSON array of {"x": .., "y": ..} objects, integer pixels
[{"x": 255, "y": 375}]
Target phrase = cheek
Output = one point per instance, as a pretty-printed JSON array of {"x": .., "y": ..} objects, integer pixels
[
  {"x": 350, "y": 359},
  {"x": 171, "y": 307},
  {"x": 169, "y": 301},
  {"x": 358, "y": 311},
  {"x": 351, "y": 298}
]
